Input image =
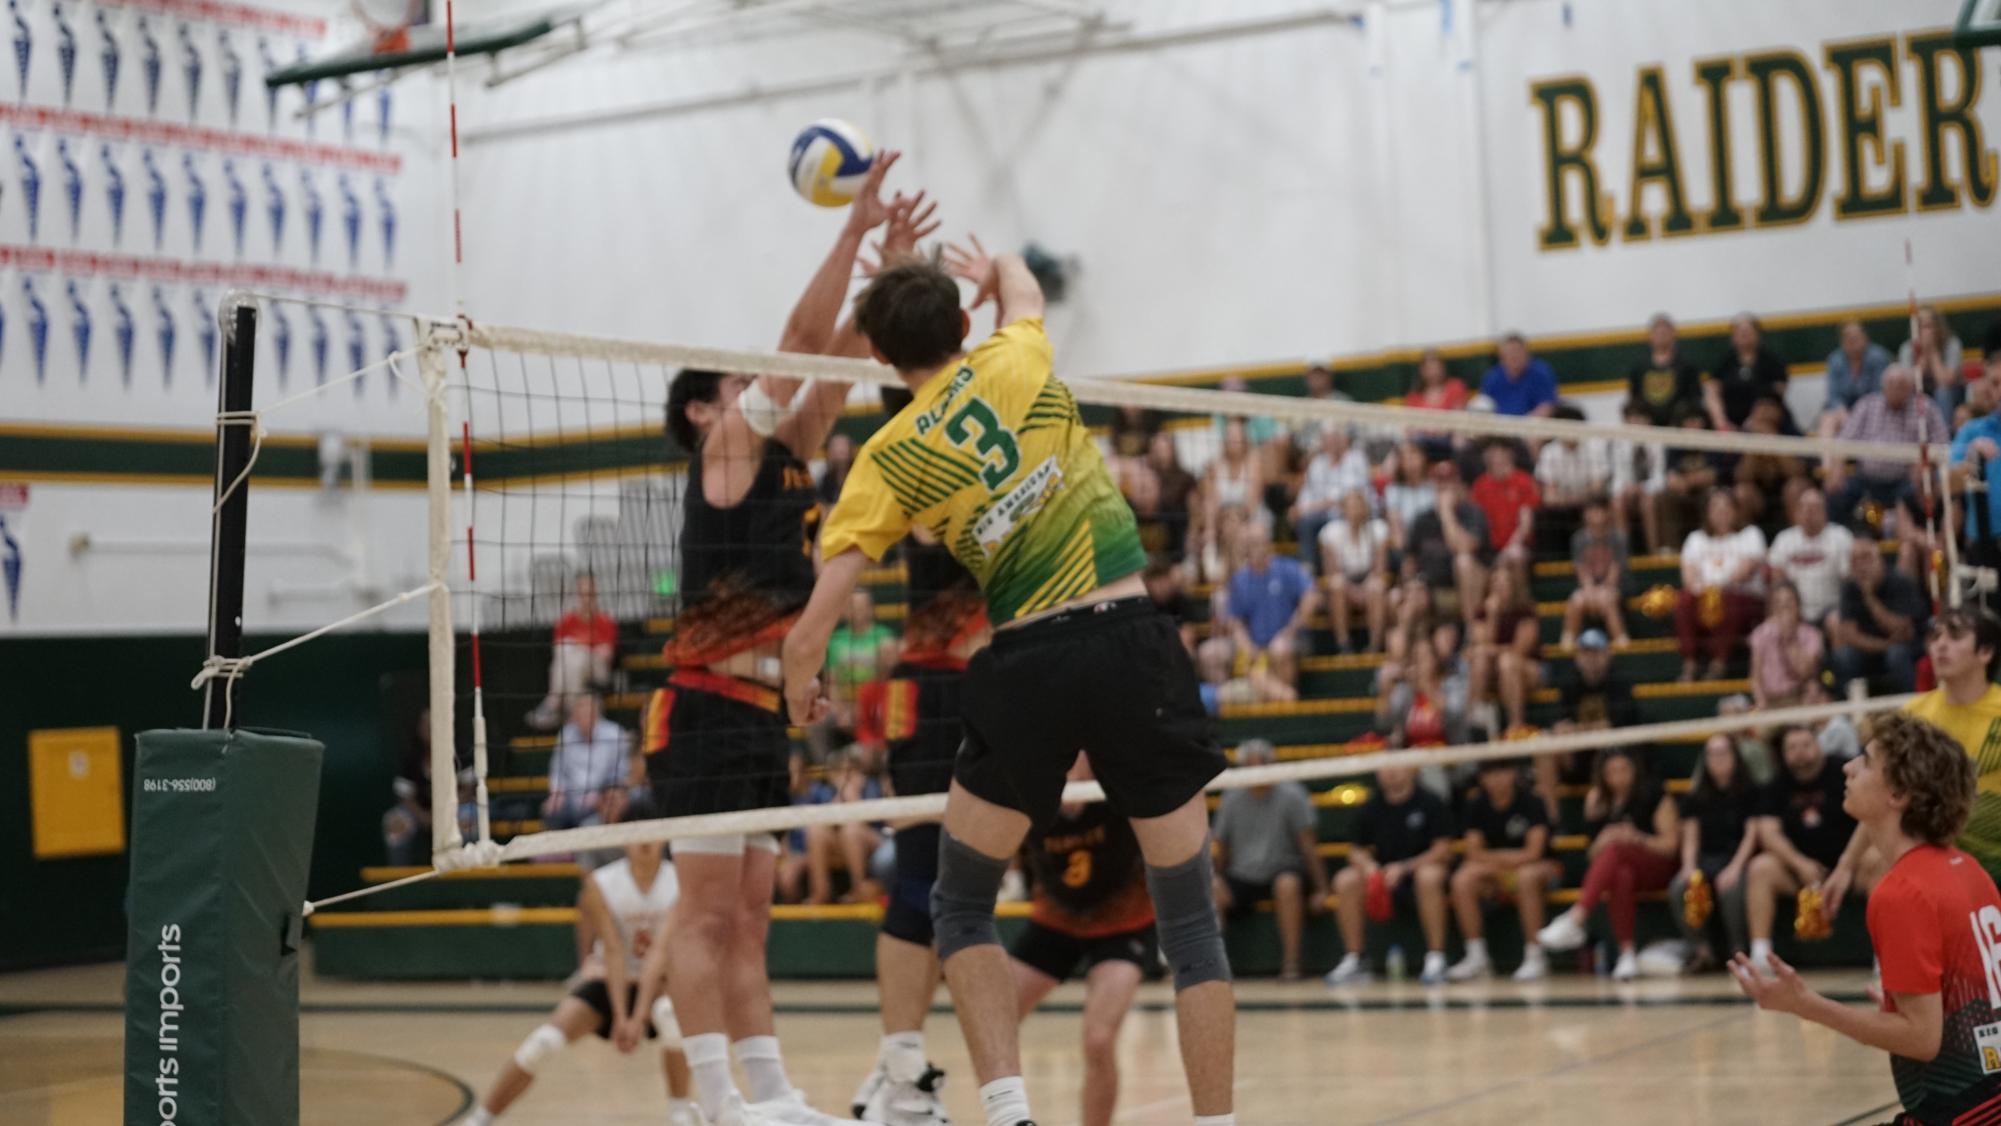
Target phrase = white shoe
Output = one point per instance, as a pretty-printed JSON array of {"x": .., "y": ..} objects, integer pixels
[
  {"x": 1561, "y": 935},
  {"x": 915, "y": 1103},
  {"x": 686, "y": 1116},
  {"x": 1351, "y": 971},
  {"x": 736, "y": 1113},
  {"x": 871, "y": 1083},
  {"x": 793, "y": 1112},
  {"x": 1473, "y": 967},
  {"x": 1534, "y": 967},
  {"x": 1433, "y": 972},
  {"x": 1627, "y": 967}
]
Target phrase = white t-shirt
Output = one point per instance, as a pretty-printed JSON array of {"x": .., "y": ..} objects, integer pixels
[
  {"x": 1354, "y": 552},
  {"x": 1817, "y": 565},
  {"x": 640, "y": 916},
  {"x": 1717, "y": 558},
  {"x": 1586, "y": 469},
  {"x": 1329, "y": 481}
]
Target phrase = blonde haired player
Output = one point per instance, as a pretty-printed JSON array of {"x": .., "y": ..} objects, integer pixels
[{"x": 626, "y": 902}]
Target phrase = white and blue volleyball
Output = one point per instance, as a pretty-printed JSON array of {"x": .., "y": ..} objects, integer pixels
[{"x": 829, "y": 160}]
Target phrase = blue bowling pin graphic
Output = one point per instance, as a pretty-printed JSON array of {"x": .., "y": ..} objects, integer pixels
[
  {"x": 65, "y": 52},
  {"x": 197, "y": 196},
  {"x": 346, "y": 112},
  {"x": 156, "y": 198},
  {"x": 163, "y": 328},
  {"x": 232, "y": 74},
  {"x": 205, "y": 328},
  {"x": 309, "y": 194},
  {"x": 80, "y": 329},
  {"x": 72, "y": 187},
  {"x": 274, "y": 206},
  {"x": 384, "y": 101},
  {"x": 319, "y": 343},
  {"x": 239, "y": 203},
  {"x": 350, "y": 220},
  {"x": 391, "y": 344},
  {"x": 10, "y": 570},
  {"x": 31, "y": 184},
  {"x": 357, "y": 348},
  {"x": 24, "y": 45},
  {"x": 38, "y": 327},
  {"x": 281, "y": 342},
  {"x": 149, "y": 62},
  {"x": 107, "y": 57},
  {"x": 312, "y": 91},
  {"x": 122, "y": 332},
  {"x": 191, "y": 67},
  {"x": 386, "y": 208},
  {"x": 270, "y": 60},
  {"x": 114, "y": 193}
]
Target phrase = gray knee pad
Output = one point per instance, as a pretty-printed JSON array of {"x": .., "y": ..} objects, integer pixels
[
  {"x": 1185, "y": 916},
  {"x": 962, "y": 899}
]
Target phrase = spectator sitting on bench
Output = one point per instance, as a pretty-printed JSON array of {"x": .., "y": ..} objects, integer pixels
[
  {"x": 1507, "y": 857},
  {"x": 1267, "y": 848},
  {"x": 1803, "y": 833},
  {"x": 1635, "y": 838},
  {"x": 1717, "y": 841},
  {"x": 1402, "y": 847},
  {"x": 586, "y": 639}
]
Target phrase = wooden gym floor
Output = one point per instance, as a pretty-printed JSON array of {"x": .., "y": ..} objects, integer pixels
[{"x": 1574, "y": 1050}]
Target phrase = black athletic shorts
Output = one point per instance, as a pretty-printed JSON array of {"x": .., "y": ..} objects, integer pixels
[
  {"x": 1110, "y": 679},
  {"x": 1061, "y": 956},
  {"x": 924, "y": 742},
  {"x": 1245, "y": 895},
  {"x": 597, "y": 995},
  {"x": 707, "y": 752}
]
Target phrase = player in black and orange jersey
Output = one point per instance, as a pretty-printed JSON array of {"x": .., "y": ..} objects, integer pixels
[
  {"x": 715, "y": 736},
  {"x": 1092, "y": 915}
]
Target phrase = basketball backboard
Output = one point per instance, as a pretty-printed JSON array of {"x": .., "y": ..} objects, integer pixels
[
  {"x": 398, "y": 45},
  {"x": 1979, "y": 23}
]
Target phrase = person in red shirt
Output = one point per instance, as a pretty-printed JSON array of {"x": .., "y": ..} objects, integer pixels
[
  {"x": 1935, "y": 921},
  {"x": 1509, "y": 497},
  {"x": 585, "y": 641}
]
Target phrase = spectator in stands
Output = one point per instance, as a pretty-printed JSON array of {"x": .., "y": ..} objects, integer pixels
[
  {"x": 1723, "y": 587},
  {"x": 1518, "y": 383},
  {"x": 1639, "y": 474},
  {"x": 1449, "y": 546},
  {"x": 1507, "y": 857},
  {"x": 1397, "y": 861},
  {"x": 1765, "y": 482},
  {"x": 1691, "y": 475},
  {"x": 1425, "y": 706},
  {"x": 1132, "y": 431},
  {"x": 1881, "y": 626},
  {"x": 1436, "y": 389},
  {"x": 1812, "y": 555},
  {"x": 850, "y": 844},
  {"x": 1408, "y": 495},
  {"x": 1509, "y": 498},
  {"x": 1786, "y": 651},
  {"x": 1717, "y": 841},
  {"x": 1267, "y": 847},
  {"x": 585, "y": 642},
  {"x": 1976, "y": 447},
  {"x": 1895, "y": 414},
  {"x": 1355, "y": 558},
  {"x": 1262, "y": 616},
  {"x": 1635, "y": 843},
  {"x": 1319, "y": 385},
  {"x": 1596, "y": 696},
  {"x": 861, "y": 650},
  {"x": 1336, "y": 471},
  {"x": 1802, "y": 831},
  {"x": 1226, "y": 543},
  {"x": 406, "y": 827},
  {"x": 1163, "y": 586},
  {"x": 1235, "y": 478},
  {"x": 1935, "y": 358},
  {"x": 1175, "y": 498},
  {"x": 1506, "y": 661},
  {"x": 1570, "y": 472},
  {"x": 1854, "y": 369},
  {"x": 1598, "y": 554},
  {"x": 1665, "y": 383},
  {"x": 834, "y": 474},
  {"x": 589, "y": 762},
  {"x": 1746, "y": 372}
]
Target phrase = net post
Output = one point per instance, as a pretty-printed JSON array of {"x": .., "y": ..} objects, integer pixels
[
  {"x": 229, "y": 521},
  {"x": 438, "y": 488}
]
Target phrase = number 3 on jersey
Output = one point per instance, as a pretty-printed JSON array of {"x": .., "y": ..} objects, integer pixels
[
  {"x": 993, "y": 438},
  {"x": 1078, "y": 872}
]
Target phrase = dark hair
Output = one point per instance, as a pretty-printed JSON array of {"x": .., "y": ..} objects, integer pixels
[
  {"x": 1786, "y": 732},
  {"x": 1984, "y": 627},
  {"x": 691, "y": 385},
  {"x": 1705, "y": 786},
  {"x": 910, "y": 312},
  {"x": 1928, "y": 769},
  {"x": 1568, "y": 412},
  {"x": 1640, "y": 788},
  {"x": 1514, "y": 336},
  {"x": 1634, "y": 406},
  {"x": 1509, "y": 765},
  {"x": 1687, "y": 411}
]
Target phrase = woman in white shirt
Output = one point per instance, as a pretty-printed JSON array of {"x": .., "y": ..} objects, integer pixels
[
  {"x": 1722, "y": 586},
  {"x": 1355, "y": 558},
  {"x": 1337, "y": 470},
  {"x": 1409, "y": 494}
]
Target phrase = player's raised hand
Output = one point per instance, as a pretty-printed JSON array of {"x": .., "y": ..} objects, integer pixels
[
  {"x": 869, "y": 210},
  {"x": 911, "y": 221},
  {"x": 976, "y": 266}
]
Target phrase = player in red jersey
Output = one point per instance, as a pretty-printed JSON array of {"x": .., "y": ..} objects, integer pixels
[{"x": 1935, "y": 921}]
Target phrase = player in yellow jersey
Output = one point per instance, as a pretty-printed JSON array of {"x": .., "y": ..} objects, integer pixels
[
  {"x": 1964, "y": 644},
  {"x": 992, "y": 457}
]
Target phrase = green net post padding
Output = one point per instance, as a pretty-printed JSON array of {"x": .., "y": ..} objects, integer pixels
[{"x": 222, "y": 832}]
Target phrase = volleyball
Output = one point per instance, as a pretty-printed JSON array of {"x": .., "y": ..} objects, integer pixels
[{"x": 829, "y": 159}]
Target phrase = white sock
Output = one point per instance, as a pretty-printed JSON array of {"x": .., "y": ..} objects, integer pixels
[
  {"x": 1216, "y": 1120},
  {"x": 480, "y": 1116},
  {"x": 676, "y": 1106},
  {"x": 902, "y": 1056},
  {"x": 1006, "y": 1101},
  {"x": 1761, "y": 950},
  {"x": 763, "y": 1068},
  {"x": 1476, "y": 949},
  {"x": 709, "y": 1061},
  {"x": 1531, "y": 950}
]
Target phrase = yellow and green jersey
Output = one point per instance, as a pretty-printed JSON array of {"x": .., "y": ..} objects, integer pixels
[
  {"x": 994, "y": 459},
  {"x": 1977, "y": 728}
]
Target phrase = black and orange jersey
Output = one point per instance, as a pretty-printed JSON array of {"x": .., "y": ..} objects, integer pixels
[
  {"x": 746, "y": 570},
  {"x": 1090, "y": 879}
]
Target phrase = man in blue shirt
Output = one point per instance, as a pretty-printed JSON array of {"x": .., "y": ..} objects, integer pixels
[
  {"x": 1519, "y": 384},
  {"x": 1975, "y": 449},
  {"x": 1259, "y": 619}
]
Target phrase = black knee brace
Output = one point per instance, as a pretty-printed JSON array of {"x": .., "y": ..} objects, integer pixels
[
  {"x": 1184, "y": 911},
  {"x": 962, "y": 900}
]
